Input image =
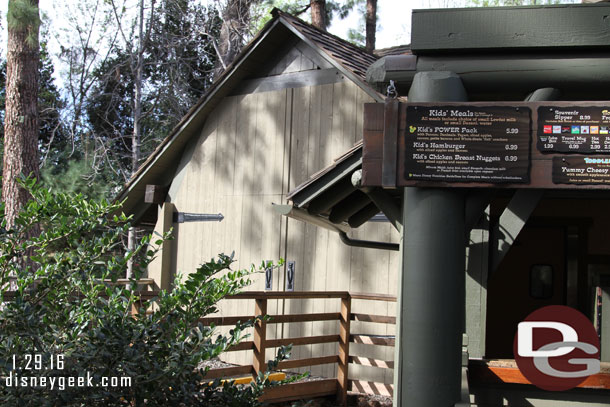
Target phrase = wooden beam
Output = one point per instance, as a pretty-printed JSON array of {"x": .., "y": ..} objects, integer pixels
[
  {"x": 310, "y": 340},
  {"x": 289, "y": 81},
  {"x": 275, "y": 295},
  {"x": 383, "y": 319},
  {"x": 297, "y": 391},
  {"x": 274, "y": 319},
  {"x": 384, "y": 364},
  {"x": 487, "y": 373},
  {"x": 304, "y": 216},
  {"x": 322, "y": 360},
  {"x": 373, "y": 340},
  {"x": 155, "y": 194},
  {"x": 243, "y": 345},
  {"x": 390, "y": 142},
  {"x": 260, "y": 337},
  {"x": 372, "y": 147},
  {"x": 221, "y": 321},
  {"x": 512, "y": 221},
  {"x": 572, "y": 26},
  {"x": 344, "y": 334},
  {"x": 364, "y": 387},
  {"x": 373, "y": 297},
  {"x": 322, "y": 316},
  {"x": 228, "y": 372},
  {"x": 387, "y": 205},
  {"x": 347, "y": 207},
  {"x": 605, "y": 324},
  {"x": 363, "y": 215}
]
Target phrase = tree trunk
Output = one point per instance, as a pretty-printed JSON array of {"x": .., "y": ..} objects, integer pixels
[
  {"x": 21, "y": 114},
  {"x": 371, "y": 24},
  {"x": 318, "y": 14},
  {"x": 235, "y": 22},
  {"x": 137, "y": 116}
]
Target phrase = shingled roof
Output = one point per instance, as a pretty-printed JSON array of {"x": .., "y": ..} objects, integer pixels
[
  {"x": 161, "y": 165},
  {"x": 351, "y": 57}
]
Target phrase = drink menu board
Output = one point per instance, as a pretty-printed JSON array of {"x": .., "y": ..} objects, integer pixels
[
  {"x": 576, "y": 169},
  {"x": 574, "y": 129},
  {"x": 468, "y": 143}
]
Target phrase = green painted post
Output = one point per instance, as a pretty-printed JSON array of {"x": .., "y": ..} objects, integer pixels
[{"x": 431, "y": 302}]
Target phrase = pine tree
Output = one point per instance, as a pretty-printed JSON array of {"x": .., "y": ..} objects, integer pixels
[
  {"x": 21, "y": 114},
  {"x": 318, "y": 14}
]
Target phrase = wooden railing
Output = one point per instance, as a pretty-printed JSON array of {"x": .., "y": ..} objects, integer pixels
[{"x": 339, "y": 385}]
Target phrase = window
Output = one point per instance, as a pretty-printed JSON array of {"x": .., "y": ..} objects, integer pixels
[{"x": 541, "y": 281}]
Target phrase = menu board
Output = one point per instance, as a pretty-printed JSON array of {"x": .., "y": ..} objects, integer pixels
[
  {"x": 581, "y": 170},
  {"x": 574, "y": 129},
  {"x": 468, "y": 143}
]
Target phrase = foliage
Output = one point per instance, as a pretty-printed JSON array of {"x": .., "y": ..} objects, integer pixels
[
  {"x": 23, "y": 15},
  {"x": 178, "y": 59},
  {"x": 63, "y": 309},
  {"x": 53, "y": 140},
  {"x": 75, "y": 177},
  {"x": 262, "y": 10}
]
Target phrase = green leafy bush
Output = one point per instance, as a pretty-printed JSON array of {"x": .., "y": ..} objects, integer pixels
[{"x": 72, "y": 324}]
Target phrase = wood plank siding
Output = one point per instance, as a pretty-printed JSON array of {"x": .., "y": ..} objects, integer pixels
[{"x": 255, "y": 147}]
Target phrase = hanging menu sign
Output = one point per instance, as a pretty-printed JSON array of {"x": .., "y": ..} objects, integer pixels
[
  {"x": 468, "y": 143},
  {"x": 574, "y": 129},
  {"x": 581, "y": 170}
]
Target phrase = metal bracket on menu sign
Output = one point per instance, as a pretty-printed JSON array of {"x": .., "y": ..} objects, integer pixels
[{"x": 181, "y": 217}]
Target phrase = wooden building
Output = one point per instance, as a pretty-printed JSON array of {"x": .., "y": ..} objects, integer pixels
[
  {"x": 287, "y": 108},
  {"x": 475, "y": 258}
]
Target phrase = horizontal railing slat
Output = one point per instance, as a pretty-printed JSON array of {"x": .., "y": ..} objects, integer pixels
[
  {"x": 244, "y": 345},
  {"x": 310, "y": 340},
  {"x": 381, "y": 389},
  {"x": 373, "y": 340},
  {"x": 228, "y": 372},
  {"x": 326, "y": 316},
  {"x": 280, "y": 295},
  {"x": 322, "y": 360},
  {"x": 358, "y": 360},
  {"x": 373, "y": 297},
  {"x": 373, "y": 318},
  {"x": 219, "y": 321},
  {"x": 297, "y": 391},
  {"x": 274, "y": 319},
  {"x": 142, "y": 295}
]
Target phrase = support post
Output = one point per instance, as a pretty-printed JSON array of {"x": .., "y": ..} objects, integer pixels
[
  {"x": 161, "y": 267},
  {"x": 605, "y": 336},
  {"x": 428, "y": 371},
  {"x": 260, "y": 337},
  {"x": 135, "y": 307},
  {"x": 344, "y": 333}
]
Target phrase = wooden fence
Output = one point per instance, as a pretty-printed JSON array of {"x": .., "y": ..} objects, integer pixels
[
  {"x": 339, "y": 385},
  {"x": 331, "y": 386}
]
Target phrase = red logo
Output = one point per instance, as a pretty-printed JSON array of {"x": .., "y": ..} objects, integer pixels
[
  {"x": 556, "y": 348},
  {"x": 548, "y": 129}
]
